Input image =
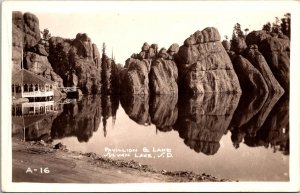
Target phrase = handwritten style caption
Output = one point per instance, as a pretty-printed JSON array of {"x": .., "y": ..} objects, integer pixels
[{"x": 145, "y": 152}]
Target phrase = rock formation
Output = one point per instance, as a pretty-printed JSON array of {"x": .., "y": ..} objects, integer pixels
[
  {"x": 26, "y": 38},
  {"x": 135, "y": 76},
  {"x": 151, "y": 71},
  {"x": 204, "y": 66},
  {"x": 259, "y": 62},
  {"x": 276, "y": 49},
  {"x": 80, "y": 57},
  {"x": 163, "y": 77},
  {"x": 249, "y": 77},
  {"x": 204, "y": 119},
  {"x": 40, "y": 65}
]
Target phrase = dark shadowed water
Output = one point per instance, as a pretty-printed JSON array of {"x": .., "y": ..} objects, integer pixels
[{"x": 243, "y": 138}]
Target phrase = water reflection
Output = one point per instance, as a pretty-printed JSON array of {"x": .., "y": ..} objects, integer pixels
[
  {"x": 201, "y": 121},
  {"x": 78, "y": 119},
  {"x": 109, "y": 105},
  {"x": 33, "y": 120},
  {"x": 137, "y": 108},
  {"x": 251, "y": 114},
  {"x": 275, "y": 130},
  {"x": 204, "y": 119},
  {"x": 164, "y": 111}
]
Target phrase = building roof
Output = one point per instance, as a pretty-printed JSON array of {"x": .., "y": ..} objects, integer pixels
[{"x": 26, "y": 77}]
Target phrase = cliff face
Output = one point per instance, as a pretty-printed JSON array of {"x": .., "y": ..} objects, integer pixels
[
  {"x": 77, "y": 58},
  {"x": 26, "y": 37},
  {"x": 276, "y": 50},
  {"x": 204, "y": 66},
  {"x": 26, "y": 32}
]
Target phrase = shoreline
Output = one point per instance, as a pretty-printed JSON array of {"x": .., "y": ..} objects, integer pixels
[{"x": 50, "y": 163}]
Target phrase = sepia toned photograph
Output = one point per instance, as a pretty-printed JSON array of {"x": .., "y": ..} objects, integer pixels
[{"x": 149, "y": 94}]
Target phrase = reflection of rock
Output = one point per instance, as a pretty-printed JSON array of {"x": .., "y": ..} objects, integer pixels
[
  {"x": 78, "y": 119},
  {"x": 276, "y": 51},
  {"x": 163, "y": 77},
  {"x": 204, "y": 66},
  {"x": 80, "y": 56},
  {"x": 137, "y": 108},
  {"x": 163, "y": 111},
  {"x": 249, "y": 105},
  {"x": 203, "y": 120},
  {"x": 253, "y": 119},
  {"x": 249, "y": 77},
  {"x": 135, "y": 76},
  {"x": 275, "y": 130}
]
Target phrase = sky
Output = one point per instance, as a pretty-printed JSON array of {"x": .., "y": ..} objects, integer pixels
[{"x": 125, "y": 26}]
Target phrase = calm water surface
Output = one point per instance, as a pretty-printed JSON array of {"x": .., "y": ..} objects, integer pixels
[{"x": 243, "y": 138}]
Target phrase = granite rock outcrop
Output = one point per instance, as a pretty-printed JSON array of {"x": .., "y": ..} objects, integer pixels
[
  {"x": 79, "y": 57},
  {"x": 204, "y": 66}
]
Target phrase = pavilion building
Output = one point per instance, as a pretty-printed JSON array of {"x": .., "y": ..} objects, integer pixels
[{"x": 26, "y": 84}]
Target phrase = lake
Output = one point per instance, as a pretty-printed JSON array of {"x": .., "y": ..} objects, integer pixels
[{"x": 240, "y": 137}]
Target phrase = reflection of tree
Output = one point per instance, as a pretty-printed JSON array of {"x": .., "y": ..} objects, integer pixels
[
  {"x": 203, "y": 120},
  {"x": 163, "y": 111},
  {"x": 109, "y": 105},
  {"x": 78, "y": 119},
  {"x": 137, "y": 108},
  {"x": 275, "y": 130}
]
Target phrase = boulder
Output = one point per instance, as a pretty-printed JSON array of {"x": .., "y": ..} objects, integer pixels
[
  {"x": 238, "y": 45},
  {"x": 163, "y": 53},
  {"x": 135, "y": 76},
  {"x": 251, "y": 80},
  {"x": 163, "y": 111},
  {"x": 77, "y": 55},
  {"x": 205, "y": 67},
  {"x": 163, "y": 77},
  {"x": 226, "y": 44},
  {"x": 145, "y": 47},
  {"x": 256, "y": 37}
]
